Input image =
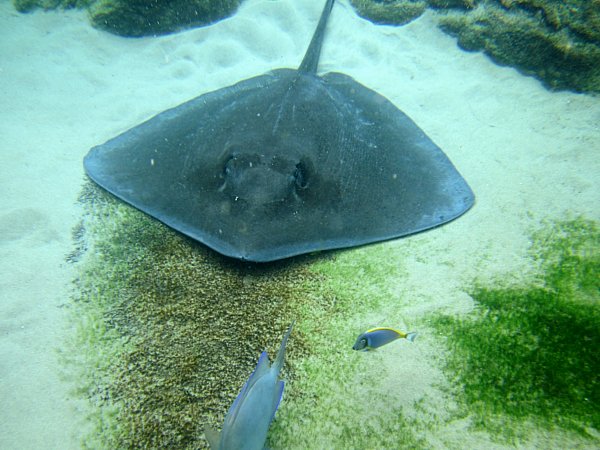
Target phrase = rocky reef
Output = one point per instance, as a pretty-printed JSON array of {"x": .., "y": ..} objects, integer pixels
[{"x": 557, "y": 41}]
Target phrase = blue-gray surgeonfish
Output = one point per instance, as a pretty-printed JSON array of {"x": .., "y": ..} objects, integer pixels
[
  {"x": 249, "y": 417},
  {"x": 376, "y": 337}
]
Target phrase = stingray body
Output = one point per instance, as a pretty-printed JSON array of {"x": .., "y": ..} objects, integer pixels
[{"x": 282, "y": 164}]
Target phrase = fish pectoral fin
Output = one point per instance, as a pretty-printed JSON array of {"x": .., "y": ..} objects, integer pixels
[{"x": 212, "y": 436}]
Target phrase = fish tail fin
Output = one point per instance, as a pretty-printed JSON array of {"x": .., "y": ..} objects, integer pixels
[
  {"x": 212, "y": 436},
  {"x": 278, "y": 363},
  {"x": 411, "y": 336}
]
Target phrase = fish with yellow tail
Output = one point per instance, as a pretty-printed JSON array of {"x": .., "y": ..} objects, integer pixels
[
  {"x": 249, "y": 417},
  {"x": 376, "y": 337}
]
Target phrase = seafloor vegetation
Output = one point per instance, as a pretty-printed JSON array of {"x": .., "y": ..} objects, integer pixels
[
  {"x": 168, "y": 331},
  {"x": 530, "y": 353}
]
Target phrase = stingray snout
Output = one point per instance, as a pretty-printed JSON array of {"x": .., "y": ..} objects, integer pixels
[{"x": 260, "y": 185}]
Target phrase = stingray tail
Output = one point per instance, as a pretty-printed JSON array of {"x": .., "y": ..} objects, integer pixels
[
  {"x": 278, "y": 363},
  {"x": 311, "y": 58}
]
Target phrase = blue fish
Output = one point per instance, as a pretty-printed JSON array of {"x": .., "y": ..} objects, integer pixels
[
  {"x": 249, "y": 417},
  {"x": 376, "y": 337}
]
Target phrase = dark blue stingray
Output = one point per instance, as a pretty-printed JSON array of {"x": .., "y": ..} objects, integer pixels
[{"x": 285, "y": 163}]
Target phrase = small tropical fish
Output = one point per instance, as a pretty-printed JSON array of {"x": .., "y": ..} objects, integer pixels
[
  {"x": 376, "y": 337},
  {"x": 249, "y": 417}
]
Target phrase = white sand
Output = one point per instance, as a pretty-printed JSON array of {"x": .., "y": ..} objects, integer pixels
[{"x": 527, "y": 153}]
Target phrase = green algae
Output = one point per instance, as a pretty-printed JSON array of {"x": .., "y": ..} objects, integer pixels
[
  {"x": 456, "y": 4},
  {"x": 529, "y": 354},
  {"x": 556, "y": 41}
]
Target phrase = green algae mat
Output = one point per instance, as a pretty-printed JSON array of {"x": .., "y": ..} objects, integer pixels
[{"x": 530, "y": 353}]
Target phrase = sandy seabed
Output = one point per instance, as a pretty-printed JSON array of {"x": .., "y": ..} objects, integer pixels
[{"x": 528, "y": 154}]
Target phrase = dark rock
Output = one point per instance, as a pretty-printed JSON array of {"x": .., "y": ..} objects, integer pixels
[
  {"x": 142, "y": 18},
  {"x": 400, "y": 12},
  {"x": 447, "y": 4},
  {"x": 135, "y": 18},
  {"x": 389, "y": 12},
  {"x": 25, "y": 6}
]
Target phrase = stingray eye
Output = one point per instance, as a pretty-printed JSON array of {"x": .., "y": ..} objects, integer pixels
[
  {"x": 228, "y": 166},
  {"x": 301, "y": 176}
]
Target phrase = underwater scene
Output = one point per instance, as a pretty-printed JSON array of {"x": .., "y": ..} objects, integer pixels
[{"x": 300, "y": 224}]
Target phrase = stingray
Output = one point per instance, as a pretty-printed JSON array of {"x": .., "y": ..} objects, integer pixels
[{"x": 282, "y": 164}]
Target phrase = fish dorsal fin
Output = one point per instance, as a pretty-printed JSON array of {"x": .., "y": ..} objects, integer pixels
[
  {"x": 278, "y": 363},
  {"x": 262, "y": 367},
  {"x": 311, "y": 58},
  {"x": 385, "y": 329}
]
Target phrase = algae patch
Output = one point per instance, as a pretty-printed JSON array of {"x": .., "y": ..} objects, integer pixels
[
  {"x": 340, "y": 405},
  {"x": 529, "y": 354},
  {"x": 169, "y": 331}
]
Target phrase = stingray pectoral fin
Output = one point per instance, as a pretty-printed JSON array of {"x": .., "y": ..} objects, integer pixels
[
  {"x": 212, "y": 436},
  {"x": 416, "y": 182}
]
